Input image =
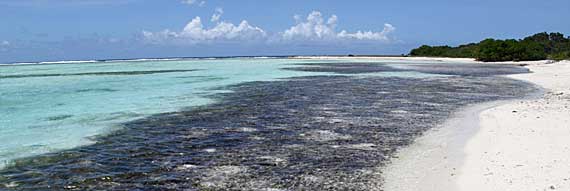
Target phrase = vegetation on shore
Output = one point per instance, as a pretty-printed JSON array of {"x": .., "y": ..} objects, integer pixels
[{"x": 536, "y": 47}]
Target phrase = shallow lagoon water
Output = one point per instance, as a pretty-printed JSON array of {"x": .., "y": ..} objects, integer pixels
[
  {"x": 45, "y": 108},
  {"x": 50, "y": 107},
  {"x": 324, "y": 124}
]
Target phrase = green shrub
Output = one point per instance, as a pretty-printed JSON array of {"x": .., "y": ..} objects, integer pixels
[{"x": 536, "y": 47}]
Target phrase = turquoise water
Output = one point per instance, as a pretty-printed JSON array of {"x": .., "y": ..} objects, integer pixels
[{"x": 46, "y": 108}]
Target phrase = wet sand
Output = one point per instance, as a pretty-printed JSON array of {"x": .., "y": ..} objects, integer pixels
[
  {"x": 524, "y": 145},
  {"x": 303, "y": 133},
  {"x": 510, "y": 145}
]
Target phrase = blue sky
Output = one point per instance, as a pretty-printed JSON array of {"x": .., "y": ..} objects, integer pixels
[{"x": 44, "y": 30}]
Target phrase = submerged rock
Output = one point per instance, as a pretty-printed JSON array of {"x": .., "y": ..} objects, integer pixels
[{"x": 306, "y": 133}]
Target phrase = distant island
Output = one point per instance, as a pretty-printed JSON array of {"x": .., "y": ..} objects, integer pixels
[{"x": 536, "y": 47}]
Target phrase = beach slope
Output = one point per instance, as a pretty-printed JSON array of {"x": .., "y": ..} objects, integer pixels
[
  {"x": 524, "y": 145},
  {"x": 509, "y": 145}
]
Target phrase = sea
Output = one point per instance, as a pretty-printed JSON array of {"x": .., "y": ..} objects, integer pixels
[{"x": 246, "y": 123}]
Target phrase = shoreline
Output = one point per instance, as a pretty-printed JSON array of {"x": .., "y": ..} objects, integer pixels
[
  {"x": 363, "y": 154},
  {"x": 430, "y": 59},
  {"x": 431, "y": 162},
  {"x": 385, "y": 58},
  {"x": 516, "y": 144},
  {"x": 333, "y": 132}
]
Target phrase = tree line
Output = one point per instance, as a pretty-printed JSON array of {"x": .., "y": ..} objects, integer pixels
[{"x": 536, "y": 47}]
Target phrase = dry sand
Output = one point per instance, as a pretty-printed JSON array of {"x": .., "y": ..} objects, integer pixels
[
  {"x": 431, "y": 59},
  {"x": 513, "y": 145},
  {"x": 524, "y": 145},
  {"x": 415, "y": 59}
]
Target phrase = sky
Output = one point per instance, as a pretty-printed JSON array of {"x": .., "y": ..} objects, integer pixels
[{"x": 51, "y": 30}]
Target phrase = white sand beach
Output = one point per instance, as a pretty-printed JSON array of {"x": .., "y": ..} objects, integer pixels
[
  {"x": 418, "y": 59},
  {"x": 513, "y": 145},
  {"x": 389, "y": 58}
]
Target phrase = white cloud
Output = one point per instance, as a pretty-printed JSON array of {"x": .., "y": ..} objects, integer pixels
[
  {"x": 369, "y": 35},
  {"x": 194, "y": 33},
  {"x": 217, "y": 15},
  {"x": 194, "y": 2},
  {"x": 314, "y": 28}
]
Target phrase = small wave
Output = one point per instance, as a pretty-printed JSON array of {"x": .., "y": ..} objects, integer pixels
[
  {"x": 52, "y": 62},
  {"x": 135, "y": 60},
  {"x": 145, "y": 59},
  {"x": 70, "y": 62}
]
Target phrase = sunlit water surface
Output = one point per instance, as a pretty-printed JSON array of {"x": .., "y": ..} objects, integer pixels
[{"x": 51, "y": 107}]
